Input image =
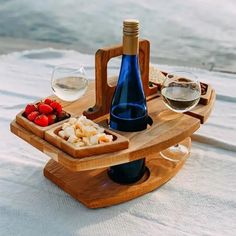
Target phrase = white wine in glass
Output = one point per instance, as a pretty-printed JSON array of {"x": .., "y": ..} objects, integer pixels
[
  {"x": 180, "y": 92},
  {"x": 69, "y": 83}
]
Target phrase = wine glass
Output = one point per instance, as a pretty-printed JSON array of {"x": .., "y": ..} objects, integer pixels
[
  {"x": 180, "y": 92},
  {"x": 69, "y": 82}
]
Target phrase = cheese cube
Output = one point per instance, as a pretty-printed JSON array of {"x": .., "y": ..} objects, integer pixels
[
  {"x": 72, "y": 139},
  {"x": 69, "y": 131}
]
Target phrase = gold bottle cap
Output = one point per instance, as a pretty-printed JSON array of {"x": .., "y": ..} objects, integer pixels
[{"x": 131, "y": 27}]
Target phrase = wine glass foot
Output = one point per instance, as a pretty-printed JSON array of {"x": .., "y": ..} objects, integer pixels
[{"x": 175, "y": 153}]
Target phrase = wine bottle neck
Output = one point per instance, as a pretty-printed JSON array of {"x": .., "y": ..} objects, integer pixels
[{"x": 130, "y": 45}]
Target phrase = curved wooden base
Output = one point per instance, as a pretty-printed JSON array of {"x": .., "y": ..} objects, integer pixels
[{"x": 95, "y": 189}]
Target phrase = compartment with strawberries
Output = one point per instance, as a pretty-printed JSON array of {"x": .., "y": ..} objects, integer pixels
[{"x": 37, "y": 117}]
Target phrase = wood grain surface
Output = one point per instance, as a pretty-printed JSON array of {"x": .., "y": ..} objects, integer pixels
[
  {"x": 31, "y": 126},
  {"x": 95, "y": 189},
  {"x": 202, "y": 112},
  {"x": 205, "y": 98},
  {"x": 168, "y": 129},
  {"x": 119, "y": 142}
]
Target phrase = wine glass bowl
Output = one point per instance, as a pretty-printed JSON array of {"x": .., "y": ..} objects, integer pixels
[
  {"x": 180, "y": 93},
  {"x": 69, "y": 82}
]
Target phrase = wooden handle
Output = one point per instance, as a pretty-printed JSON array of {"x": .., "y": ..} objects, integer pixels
[{"x": 105, "y": 91}]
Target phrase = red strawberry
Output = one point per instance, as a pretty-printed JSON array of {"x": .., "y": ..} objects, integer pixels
[
  {"x": 48, "y": 101},
  {"x": 32, "y": 115},
  {"x": 30, "y": 108},
  {"x": 41, "y": 120},
  {"x": 38, "y": 104},
  {"x": 44, "y": 108},
  {"x": 56, "y": 106},
  {"x": 51, "y": 119}
]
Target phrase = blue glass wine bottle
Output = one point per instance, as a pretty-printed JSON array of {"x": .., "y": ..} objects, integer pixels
[{"x": 128, "y": 110}]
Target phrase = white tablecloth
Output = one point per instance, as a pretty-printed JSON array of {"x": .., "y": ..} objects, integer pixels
[{"x": 200, "y": 200}]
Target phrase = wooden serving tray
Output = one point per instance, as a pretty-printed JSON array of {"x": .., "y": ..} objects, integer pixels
[
  {"x": 86, "y": 178},
  {"x": 92, "y": 186},
  {"x": 168, "y": 129},
  {"x": 119, "y": 142},
  {"x": 35, "y": 129}
]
